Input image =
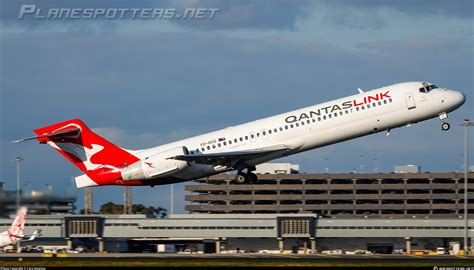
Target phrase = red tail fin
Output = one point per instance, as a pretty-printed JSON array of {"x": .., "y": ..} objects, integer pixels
[
  {"x": 16, "y": 229},
  {"x": 92, "y": 154}
]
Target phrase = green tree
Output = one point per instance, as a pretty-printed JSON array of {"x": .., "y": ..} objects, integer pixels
[{"x": 111, "y": 208}]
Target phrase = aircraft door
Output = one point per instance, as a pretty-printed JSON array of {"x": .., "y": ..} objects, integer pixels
[{"x": 410, "y": 101}]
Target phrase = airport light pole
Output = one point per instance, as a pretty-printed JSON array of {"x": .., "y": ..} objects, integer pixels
[
  {"x": 327, "y": 164},
  {"x": 172, "y": 199},
  {"x": 18, "y": 160},
  {"x": 466, "y": 125}
]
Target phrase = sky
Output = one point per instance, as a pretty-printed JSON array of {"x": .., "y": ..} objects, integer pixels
[{"x": 144, "y": 82}]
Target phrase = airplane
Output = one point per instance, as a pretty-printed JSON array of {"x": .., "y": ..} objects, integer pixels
[
  {"x": 15, "y": 233},
  {"x": 240, "y": 148}
]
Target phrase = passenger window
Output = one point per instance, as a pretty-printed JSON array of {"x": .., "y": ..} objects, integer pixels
[
  {"x": 246, "y": 137},
  {"x": 219, "y": 145},
  {"x": 275, "y": 130},
  {"x": 241, "y": 139},
  {"x": 208, "y": 147},
  {"x": 224, "y": 143}
]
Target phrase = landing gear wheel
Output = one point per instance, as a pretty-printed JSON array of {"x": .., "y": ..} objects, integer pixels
[
  {"x": 252, "y": 178},
  {"x": 445, "y": 126},
  {"x": 240, "y": 178}
]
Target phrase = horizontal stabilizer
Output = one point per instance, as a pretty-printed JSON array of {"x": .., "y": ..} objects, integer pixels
[{"x": 73, "y": 131}]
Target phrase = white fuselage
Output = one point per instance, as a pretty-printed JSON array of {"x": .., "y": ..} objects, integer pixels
[
  {"x": 319, "y": 125},
  {"x": 7, "y": 239}
]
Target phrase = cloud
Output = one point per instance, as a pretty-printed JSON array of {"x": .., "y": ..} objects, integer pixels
[{"x": 420, "y": 8}]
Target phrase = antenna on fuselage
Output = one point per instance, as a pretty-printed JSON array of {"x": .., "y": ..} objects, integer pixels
[{"x": 360, "y": 91}]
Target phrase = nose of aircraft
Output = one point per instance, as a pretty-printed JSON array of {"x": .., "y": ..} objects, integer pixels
[
  {"x": 456, "y": 98},
  {"x": 459, "y": 97}
]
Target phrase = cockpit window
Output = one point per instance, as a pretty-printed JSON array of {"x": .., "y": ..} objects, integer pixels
[{"x": 427, "y": 87}]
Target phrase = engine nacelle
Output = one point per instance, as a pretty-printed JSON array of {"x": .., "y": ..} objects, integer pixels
[{"x": 156, "y": 166}]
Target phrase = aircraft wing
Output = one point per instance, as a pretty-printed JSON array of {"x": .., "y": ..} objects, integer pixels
[{"x": 237, "y": 159}]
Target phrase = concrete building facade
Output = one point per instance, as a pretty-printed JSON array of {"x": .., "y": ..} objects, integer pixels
[{"x": 381, "y": 195}]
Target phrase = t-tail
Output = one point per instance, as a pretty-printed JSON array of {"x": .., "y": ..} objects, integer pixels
[{"x": 100, "y": 160}]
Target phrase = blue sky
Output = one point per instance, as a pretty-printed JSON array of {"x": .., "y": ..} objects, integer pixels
[{"x": 141, "y": 83}]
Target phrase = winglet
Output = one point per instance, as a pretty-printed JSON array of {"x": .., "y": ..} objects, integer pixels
[{"x": 360, "y": 91}]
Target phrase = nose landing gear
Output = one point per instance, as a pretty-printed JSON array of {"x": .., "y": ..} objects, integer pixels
[{"x": 444, "y": 126}]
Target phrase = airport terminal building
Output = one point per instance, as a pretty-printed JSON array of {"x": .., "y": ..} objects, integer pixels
[
  {"x": 384, "y": 213},
  {"x": 216, "y": 233}
]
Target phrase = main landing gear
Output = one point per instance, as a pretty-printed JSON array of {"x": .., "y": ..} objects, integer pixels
[
  {"x": 246, "y": 178},
  {"x": 444, "y": 126}
]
